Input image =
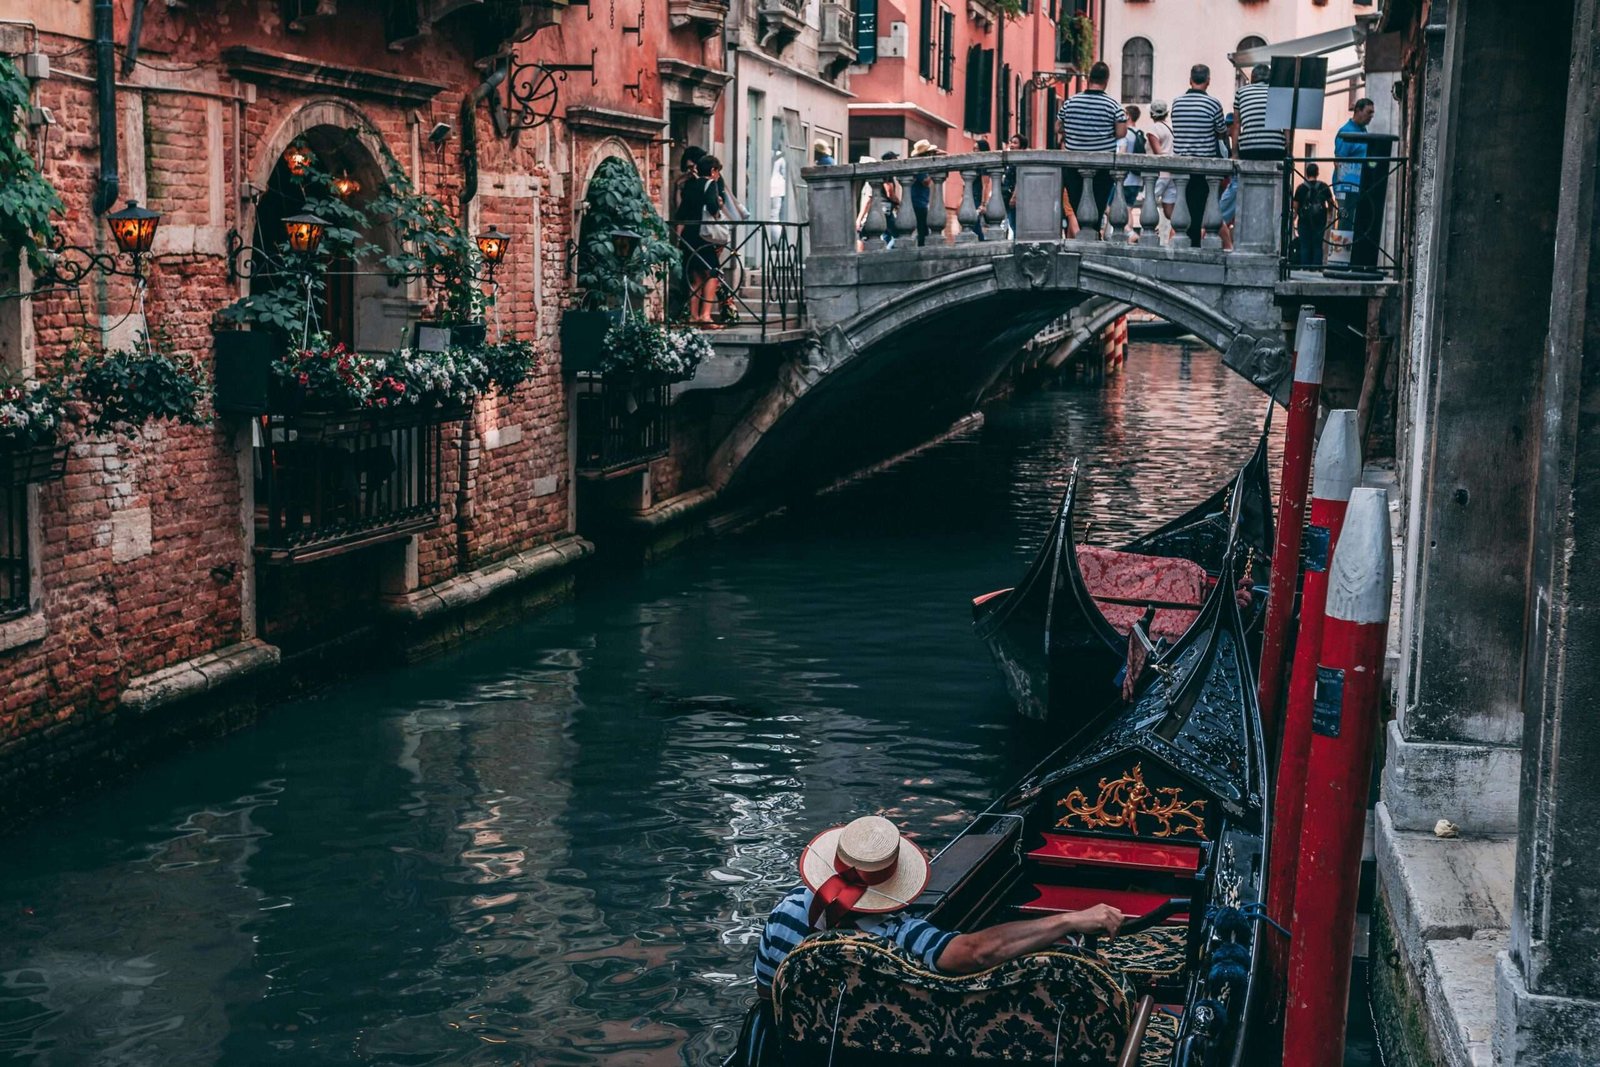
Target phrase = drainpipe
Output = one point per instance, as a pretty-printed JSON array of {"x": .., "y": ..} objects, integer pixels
[
  {"x": 130, "y": 55},
  {"x": 105, "y": 57}
]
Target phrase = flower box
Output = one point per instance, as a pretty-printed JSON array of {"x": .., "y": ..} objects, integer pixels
[
  {"x": 437, "y": 336},
  {"x": 583, "y": 335},
  {"x": 242, "y": 373},
  {"x": 32, "y": 464}
]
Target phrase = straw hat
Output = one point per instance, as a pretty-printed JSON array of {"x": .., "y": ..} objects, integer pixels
[
  {"x": 1158, "y": 109},
  {"x": 869, "y": 850},
  {"x": 867, "y": 159},
  {"x": 924, "y": 148}
]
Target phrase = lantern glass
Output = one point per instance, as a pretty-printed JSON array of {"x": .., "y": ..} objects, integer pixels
[
  {"x": 624, "y": 243},
  {"x": 298, "y": 158},
  {"x": 345, "y": 186},
  {"x": 134, "y": 228},
  {"x": 305, "y": 232},
  {"x": 492, "y": 245}
]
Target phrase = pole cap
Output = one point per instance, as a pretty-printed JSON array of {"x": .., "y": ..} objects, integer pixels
[
  {"x": 1337, "y": 467},
  {"x": 1309, "y": 353},
  {"x": 1362, "y": 573}
]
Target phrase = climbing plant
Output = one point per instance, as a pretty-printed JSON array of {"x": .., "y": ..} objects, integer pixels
[
  {"x": 1077, "y": 41},
  {"x": 27, "y": 200},
  {"x": 616, "y": 200}
]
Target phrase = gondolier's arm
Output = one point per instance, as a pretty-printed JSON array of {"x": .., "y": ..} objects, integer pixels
[{"x": 969, "y": 953}]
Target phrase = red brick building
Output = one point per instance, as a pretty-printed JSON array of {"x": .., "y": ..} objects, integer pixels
[{"x": 154, "y": 578}]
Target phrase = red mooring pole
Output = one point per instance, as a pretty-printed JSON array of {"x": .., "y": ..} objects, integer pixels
[
  {"x": 1344, "y": 724},
  {"x": 1335, "y": 472},
  {"x": 1299, "y": 436}
]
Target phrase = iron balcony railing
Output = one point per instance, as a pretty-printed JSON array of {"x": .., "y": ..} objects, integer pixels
[
  {"x": 623, "y": 422},
  {"x": 330, "y": 483},
  {"x": 1362, "y": 236},
  {"x": 760, "y": 279}
]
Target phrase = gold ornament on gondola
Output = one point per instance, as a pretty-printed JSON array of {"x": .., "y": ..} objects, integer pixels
[{"x": 1122, "y": 801}]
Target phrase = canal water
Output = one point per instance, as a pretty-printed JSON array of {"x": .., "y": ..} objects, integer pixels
[{"x": 556, "y": 845}]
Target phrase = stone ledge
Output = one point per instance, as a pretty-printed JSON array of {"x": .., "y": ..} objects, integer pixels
[
  {"x": 1459, "y": 986},
  {"x": 673, "y": 509},
  {"x": 1475, "y": 786},
  {"x": 454, "y": 594},
  {"x": 1530, "y": 1028},
  {"x": 24, "y": 631},
  {"x": 199, "y": 675}
]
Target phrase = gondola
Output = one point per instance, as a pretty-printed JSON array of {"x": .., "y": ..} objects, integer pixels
[
  {"x": 1162, "y": 815},
  {"x": 1060, "y": 636}
]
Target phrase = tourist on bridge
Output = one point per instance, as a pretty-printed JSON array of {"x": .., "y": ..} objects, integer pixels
[
  {"x": 1091, "y": 121},
  {"x": 921, "y": 189},
  {"x": 1251, "y": 138},
  {"x": 981, "y": 184},
  {"x": 859, "y": 876},
  {"x": 701, "y": 202},
  {"x": 1347, "y": 176},
  {"x": 1008, "y": 185},
  {"x": 1134, "y": 143},
  {"x": 1197, "y": 129},
  {"x": 1313, "y": 204},
  {"x": 1158, "y": 140}
]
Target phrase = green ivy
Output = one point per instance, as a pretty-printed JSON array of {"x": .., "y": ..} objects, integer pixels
[
  {"x": 129, "y": 387},
  {"x": 616, "y": 200},
  {"x": 27, "y": 201},
  {"x": 1077, "y": 41}
]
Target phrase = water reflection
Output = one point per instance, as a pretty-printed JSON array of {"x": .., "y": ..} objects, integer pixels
[{"x": 557, "y": 846}]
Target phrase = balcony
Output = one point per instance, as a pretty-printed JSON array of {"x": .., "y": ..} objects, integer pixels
[
  {"x": 706, "y": 17},
  {"x": 781, "y": 22},
  {"x": 327, "y": 484},
  {"x": 837, "y": 47},
  {"x": 623, "y": 424}
]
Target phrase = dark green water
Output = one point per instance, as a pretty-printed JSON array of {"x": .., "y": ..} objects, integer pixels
[{"x": 556, "y": 846}]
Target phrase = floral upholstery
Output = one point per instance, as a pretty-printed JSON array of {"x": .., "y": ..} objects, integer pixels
[
  {"x": 1155, "y": 953},
  {"x": 1107, "y": 572},
  {"x": 1160, "y": 1040},
  {"x": 1058, "y": 1006}
]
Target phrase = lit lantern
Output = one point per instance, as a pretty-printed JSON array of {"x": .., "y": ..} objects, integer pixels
[
  {"x": 624, "y": 243},
  {"x": 305, "y": 232},
  {"x": 134, "y": 228},
  {"x": 492, "y": 246},
  {"x": 345, "y": 186},
  {"x": 298, "y": 159}
]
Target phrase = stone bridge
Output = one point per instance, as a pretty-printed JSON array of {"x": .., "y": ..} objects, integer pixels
[{"x": 926, "y": 331}]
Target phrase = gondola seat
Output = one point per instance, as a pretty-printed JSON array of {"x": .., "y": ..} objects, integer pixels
[
  {"x": 1129, "y": 576},
  {"x": 1160, "y": 952},
  {"x": 847, "y": 997}
]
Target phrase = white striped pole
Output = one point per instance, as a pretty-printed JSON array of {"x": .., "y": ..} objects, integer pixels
[
  {"x": 1344, "y": 725},
  {"x": 1335, "y": 472}
]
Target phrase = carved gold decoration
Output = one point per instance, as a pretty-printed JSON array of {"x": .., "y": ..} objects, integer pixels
[{"x": 1123, "y": 800}]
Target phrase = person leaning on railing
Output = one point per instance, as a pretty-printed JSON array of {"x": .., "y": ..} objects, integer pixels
[{"x": 1091, "y": 121}]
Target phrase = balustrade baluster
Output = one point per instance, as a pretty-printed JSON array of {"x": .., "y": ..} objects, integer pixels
[
  {"x": 967, "y": 211},
  {"x": 1117, "y": 211},
  {"x": 1211, "y": 221},
  {"x": 873, "y": 227},
  {"x": 994, "y": 209},
  {"x": 1150, "y": 212},
  {"x": 1180, "y": 212},
  {"x": 1087, "y": 211},
  {"x": 938, "y": 214}
]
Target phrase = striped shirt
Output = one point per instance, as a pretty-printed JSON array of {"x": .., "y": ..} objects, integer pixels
[
  {"x": 1196, "y": 121},
  {"x": 1089, "y": 121},
  {"x": 789, "y": 924},
  {"x": 1250, "y": 105}
]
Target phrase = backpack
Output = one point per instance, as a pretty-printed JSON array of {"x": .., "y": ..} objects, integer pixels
[{"x": 1139, "y": 144}]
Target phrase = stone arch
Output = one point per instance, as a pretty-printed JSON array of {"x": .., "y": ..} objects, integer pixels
[{"x": 604, "y": 149}]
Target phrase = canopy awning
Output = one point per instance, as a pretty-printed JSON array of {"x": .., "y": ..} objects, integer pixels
[{"x": 1344, "y": 64}]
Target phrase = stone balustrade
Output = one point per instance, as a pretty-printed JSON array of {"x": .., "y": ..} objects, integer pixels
[{"x": 835, "y": 193}]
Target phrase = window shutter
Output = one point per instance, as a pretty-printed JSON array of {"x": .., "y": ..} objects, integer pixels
[
  {"x": 925, "y": 45},
  {"x": 986, "y": 92},
  {"x": 1052, "y": 128},
  {"x": 1004, "y": 91},
  {"x": 866, "y": 31},
  {"x": 969, "y": 110},
  {"x": 947, "y": 50}
]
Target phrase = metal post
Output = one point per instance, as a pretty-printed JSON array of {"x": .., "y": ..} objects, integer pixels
[
  {"x": 1298, "y": 440},
  {"x": 1339, "y": 772},
  {"x": 1336, "y": 471}
]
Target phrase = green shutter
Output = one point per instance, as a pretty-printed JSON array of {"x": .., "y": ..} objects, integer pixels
[{"x": 866, "y": 31}]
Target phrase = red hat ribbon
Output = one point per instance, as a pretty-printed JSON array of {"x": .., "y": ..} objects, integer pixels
[{"x": 839, "y": 894}]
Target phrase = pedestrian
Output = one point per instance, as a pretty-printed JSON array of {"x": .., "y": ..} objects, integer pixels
[
  {"x": 981, "y": 184},
  {"x": 1091, "y": 121},
  {"x": 821, "y": 154},
  {"x": 1008, "y": 185},
  {"x": 1347, "y": 176},
  {"x": 891, "y": 210},
  {"x": 1252, "y": 139},
  {"x": 1228, "y": 201},
  {"x": 869, "y": 189},
  {"x": 861, "y": 876},
  {"x": 1133, "y": 143},
  {"x": 701, "y": 207},
  {"x": 921, "y": 190},
  {"x": 1197, "y": 129},
  {"x": 1313, "y": 203},
  {"x": 1158, "y": 140},
  {"x": 681, "y": 289}
]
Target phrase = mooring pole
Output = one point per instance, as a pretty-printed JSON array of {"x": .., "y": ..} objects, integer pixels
[
  {"x": 1299, "y": 436},
  {"x": 1335, "y": 472},
  {"x": 1344, "y": 725}
]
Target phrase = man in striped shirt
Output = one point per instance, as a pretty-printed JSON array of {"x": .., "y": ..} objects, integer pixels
[
  {"x": 1091, "y": 121},
  {"x": 1252, "y": 139},
  {"x": 1197, "y": 128}
]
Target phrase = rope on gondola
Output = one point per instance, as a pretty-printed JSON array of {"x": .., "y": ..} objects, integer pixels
[{"x": 833, "y": 1040}]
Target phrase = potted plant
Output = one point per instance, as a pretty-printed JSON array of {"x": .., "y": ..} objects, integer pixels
[
  {"x": 126, "y": 388},
  {"x": 31, "y": 450},
  {"x": 511, "y": 361},
  {"x": 324, "y": 380},
  {"x": 639, "y": 348}
]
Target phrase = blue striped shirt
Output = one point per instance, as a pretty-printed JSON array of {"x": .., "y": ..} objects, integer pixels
[{"x": 788, "y": 925}]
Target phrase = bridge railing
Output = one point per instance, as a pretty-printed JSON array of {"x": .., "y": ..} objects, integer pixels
[{"x": 1205, "y": 192}]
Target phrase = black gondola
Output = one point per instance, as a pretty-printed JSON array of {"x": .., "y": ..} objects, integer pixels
[
  {"x": 1060, "y": 639},
  {"x": 1161, "y": 814}
]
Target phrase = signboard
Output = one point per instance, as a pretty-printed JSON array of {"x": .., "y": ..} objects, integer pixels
[{"x": 1295, "y": 92}]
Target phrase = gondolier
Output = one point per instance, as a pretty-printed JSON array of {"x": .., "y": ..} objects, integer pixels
[{"x": 861, "y": 876}]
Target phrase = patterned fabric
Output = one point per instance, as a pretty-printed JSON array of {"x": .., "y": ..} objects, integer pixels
[
  {"x": 1160, "y": 1040},
  {"x": 891, "y": 1010},
  {"x": 1129, "y": 576},
  {"x": 1156, "y": 953},
  {"x": 790, "y": 923}
]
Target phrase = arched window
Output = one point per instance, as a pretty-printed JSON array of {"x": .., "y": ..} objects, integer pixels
[
  {"x": 1138, "y": 69},
  {"x": 1241, "y": 74}
]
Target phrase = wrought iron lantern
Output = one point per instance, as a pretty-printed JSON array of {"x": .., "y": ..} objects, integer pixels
[
  {"x": 492, "y": 247},
  {"x": 344, "y": 186},
  {"x": 305, "y": 232},
  {"x": 134, "y": 229},
  {"x": 625, "y": 243}
]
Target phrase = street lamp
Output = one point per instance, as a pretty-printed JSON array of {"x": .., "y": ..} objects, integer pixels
[
  {"x": 492, "y": 247},
  {"x": 344, "y": 186},
  {"x": 625, "y": 243},
  {"x": 305, "y": 232},
  {"x": 134, "y": 230}
]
